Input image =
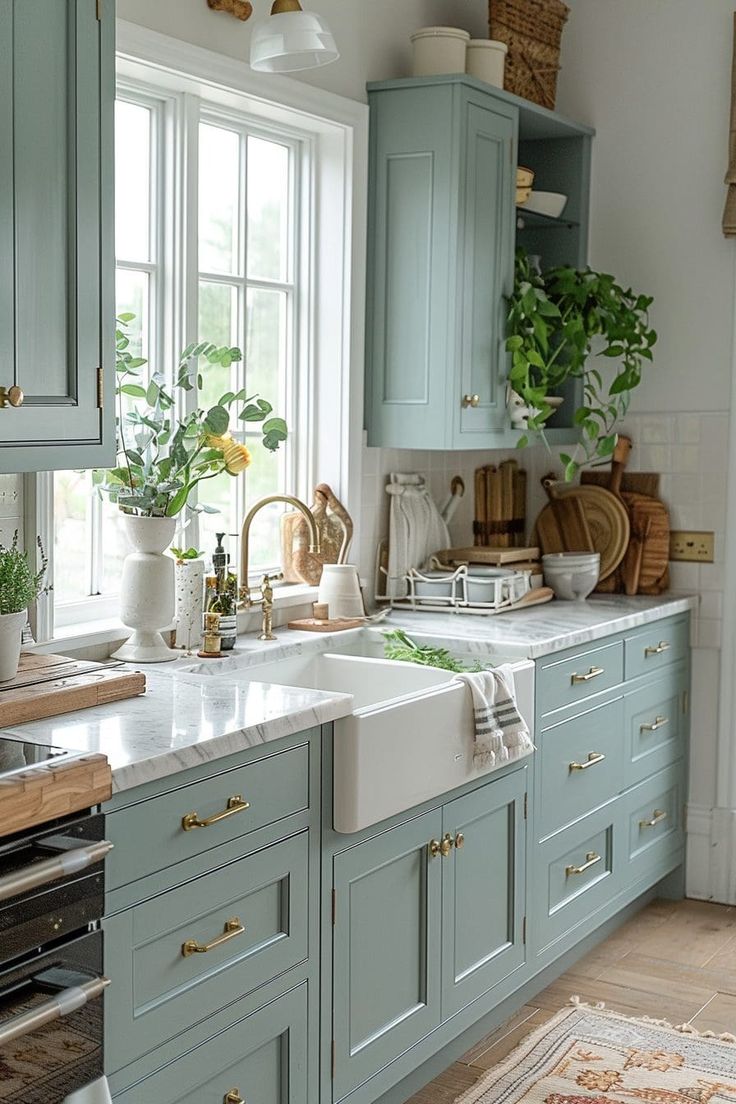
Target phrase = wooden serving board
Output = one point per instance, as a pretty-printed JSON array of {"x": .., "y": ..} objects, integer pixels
[
  {"x": 646, "y": 483},
  {"x": 310, "y": 624},
  {"x": 48, "y": 685},
  {"x": 494, "y": 556},
  {"x": 53, "y": 789}
]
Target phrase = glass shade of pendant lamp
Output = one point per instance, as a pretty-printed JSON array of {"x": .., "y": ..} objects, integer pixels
[{"x": 291, "y": 39}]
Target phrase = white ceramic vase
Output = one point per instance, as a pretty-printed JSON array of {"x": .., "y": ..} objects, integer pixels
[
  {"x": 147, "y": 598},
  {"x": 189, "y": 603},
  {"x": 11, "y": 631}
]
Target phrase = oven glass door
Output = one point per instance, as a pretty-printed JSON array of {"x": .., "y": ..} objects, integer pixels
[{"x": 51, "y": 1024}]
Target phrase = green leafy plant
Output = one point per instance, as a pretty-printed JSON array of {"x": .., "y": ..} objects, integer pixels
[
  {"x": 183, "y": 555},
  {"x": 400, "y": 646},
  {"x": 559, "y": 322},
  {"x": 164, "y": 454},
  {"x": 20, "y": 585}
]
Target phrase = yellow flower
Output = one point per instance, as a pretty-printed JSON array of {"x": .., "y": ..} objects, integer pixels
[{"x": 236, "y": 456}]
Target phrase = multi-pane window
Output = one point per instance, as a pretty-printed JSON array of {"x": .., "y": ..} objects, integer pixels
[{"x": 224, "y": 269}]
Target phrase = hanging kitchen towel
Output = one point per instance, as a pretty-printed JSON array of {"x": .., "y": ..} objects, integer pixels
[
  {"x": 416, "y": 529},
  {"x": 729, "y": 211},
  {"x": 501, "y": 733}
]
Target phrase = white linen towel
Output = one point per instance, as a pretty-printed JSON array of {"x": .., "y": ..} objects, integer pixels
[{"x": 501, "y": 733}]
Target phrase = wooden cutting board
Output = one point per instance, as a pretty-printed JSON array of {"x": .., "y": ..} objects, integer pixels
[
  {"x": 45, "y": 791},
  {"x": 646, "y": 483},
  {"x": 49, "y": 685},
  {"x": 496, "y": 557}
]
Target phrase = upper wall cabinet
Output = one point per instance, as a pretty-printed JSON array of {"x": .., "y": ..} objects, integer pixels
[
  {"x": 57, "y": 88},
  {"x": 443, "y": 228}
]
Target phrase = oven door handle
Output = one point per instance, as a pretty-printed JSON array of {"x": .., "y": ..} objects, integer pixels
[
  {"x": 51, "y": 870},
  {"x": 68, "y": 1001}
]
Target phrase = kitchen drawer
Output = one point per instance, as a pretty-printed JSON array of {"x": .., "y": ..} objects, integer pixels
[
  {"x": 159, "y": 990},
  {"x": 657, "y": 646},
  {"x": 581, "y": 765},
  {"x": 570, "y": 680},
  {"x": 655, "y": 819},
  {"x": 263, "y": 1057},
  {"x": 152, "y": 835},
  {"x": 656, "y": 724},
  {"x": 575, "y": 874}
]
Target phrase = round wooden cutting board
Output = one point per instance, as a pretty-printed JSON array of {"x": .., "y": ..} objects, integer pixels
[{"x": 607, "y": 520}]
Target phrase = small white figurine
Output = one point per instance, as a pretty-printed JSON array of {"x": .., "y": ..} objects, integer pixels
[{"x": 518, "y": 411}]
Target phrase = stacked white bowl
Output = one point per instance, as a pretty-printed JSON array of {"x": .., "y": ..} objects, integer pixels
[{"x": 572, "y": 575}]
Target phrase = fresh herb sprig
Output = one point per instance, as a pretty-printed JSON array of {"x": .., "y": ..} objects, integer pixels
[
  {"x": 398, "y": 645},
  {"x": 20, "y": 585}
]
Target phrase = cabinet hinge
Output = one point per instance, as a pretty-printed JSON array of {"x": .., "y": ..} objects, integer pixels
[
  {"x": 334, "y": 907},
  {"x": 334, "y": 1059},
  {"x": 98, "y": 10},
  {"x": 685, "y": 702},
  {"x": 526, "y": 805},
  {"x": 523, "y": 931},
  {"x": 100, "y": 387}
]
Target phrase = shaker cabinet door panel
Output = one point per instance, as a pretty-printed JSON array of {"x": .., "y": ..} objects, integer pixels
[
  {"x": 56, "y": 306},
  {"x": 386, "y": 987}
]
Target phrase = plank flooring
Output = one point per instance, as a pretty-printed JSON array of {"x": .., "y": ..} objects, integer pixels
[{"x": 675, "y": 961}]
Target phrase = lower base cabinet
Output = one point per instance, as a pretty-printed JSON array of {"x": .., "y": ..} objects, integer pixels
[
  {"x": 262, "y": 1059},
  {"x": 427, "y": 917}
]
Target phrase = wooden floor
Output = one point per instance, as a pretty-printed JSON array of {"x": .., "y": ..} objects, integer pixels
[{"x": 674, "y": 961}]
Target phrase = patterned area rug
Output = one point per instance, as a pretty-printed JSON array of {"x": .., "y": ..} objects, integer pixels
[{"x": 592, "y": 1056}]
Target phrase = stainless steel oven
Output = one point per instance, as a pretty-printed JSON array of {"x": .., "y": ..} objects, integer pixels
[{"x": 51, "y": 980}]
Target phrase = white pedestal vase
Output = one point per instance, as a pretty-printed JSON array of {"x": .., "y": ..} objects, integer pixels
[
  {"x": 147, "y": 599},
  {"x": 11, "y": 631},
  {"x": 189, "y": 603}
]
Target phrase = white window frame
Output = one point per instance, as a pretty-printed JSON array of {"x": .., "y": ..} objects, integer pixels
[{"x": 331, "y": 329}]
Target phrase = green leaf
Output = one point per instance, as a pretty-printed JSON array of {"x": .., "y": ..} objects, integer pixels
[
  {"x": 178, "y": 502},
  {"x": 217, "y": 420},
  {"x": 134, "y": 390},
  {"x": 523, "y": 441}
]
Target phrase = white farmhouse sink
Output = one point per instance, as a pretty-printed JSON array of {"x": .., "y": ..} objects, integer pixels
[{"x": 410, "y": 734}]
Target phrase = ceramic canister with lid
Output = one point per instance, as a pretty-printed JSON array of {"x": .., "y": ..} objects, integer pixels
[
  {"x": 486, "y": 60},
  {"x": 439, "y": 50}
]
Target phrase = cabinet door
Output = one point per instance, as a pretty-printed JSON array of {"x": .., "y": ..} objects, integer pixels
[
  {"x": 484, "y": 890},
  {"x": 56, "y": 308},
  {"x": 486, "y": 276},
  {"x": 386, "y": 960}
]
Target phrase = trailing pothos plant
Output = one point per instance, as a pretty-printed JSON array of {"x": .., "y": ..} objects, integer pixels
[
  {"x": 164, "y": 454},
  {"x": 558, "y": 323}
]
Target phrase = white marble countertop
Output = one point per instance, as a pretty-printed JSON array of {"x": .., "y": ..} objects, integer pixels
[{"x": 197, "y": 711}]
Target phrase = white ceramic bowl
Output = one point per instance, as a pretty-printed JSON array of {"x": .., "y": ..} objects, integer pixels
[
  {"x": 572, "y": 575},
  {"x": 551, "y": 204}
]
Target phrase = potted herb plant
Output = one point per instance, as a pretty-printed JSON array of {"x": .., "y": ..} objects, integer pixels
[
  {"x": 165, "y": 455},
  {"x": 559, "y": 323},
  {"x": 20, "y": 586}
]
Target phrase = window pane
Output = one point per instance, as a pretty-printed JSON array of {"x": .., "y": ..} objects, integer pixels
[
  {"x": 265, "y": 477},
  {"x": 221, "y": 493},
  {"x": 132, "y": 182},
  {"x": 268, "y": 210},
  {"x": 132, "y": 296},
  {"x": 218, "y": 311},
  {"x": 219, "y": 189},
  {"x": 72, "y": 547},
  {"x": 114, "y": 548},
  {"x": 266, "y": 346}
]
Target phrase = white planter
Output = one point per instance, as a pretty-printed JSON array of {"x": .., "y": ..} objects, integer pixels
[
  {"x": 486, "y": 60},
  {"x": 147, "y": 599},
  {"x": 439, "y": 50},
  {"x": 189, "y": 603},
  {"x": 11, "y": 630}
]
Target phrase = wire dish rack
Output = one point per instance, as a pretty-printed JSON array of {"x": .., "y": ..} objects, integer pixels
[{"x": 462, "y": 589}]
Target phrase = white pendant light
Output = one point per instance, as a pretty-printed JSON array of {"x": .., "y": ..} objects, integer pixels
[{"x": 291, "y": 39}]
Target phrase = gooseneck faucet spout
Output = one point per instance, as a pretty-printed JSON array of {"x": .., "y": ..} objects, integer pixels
[{"x": 314, "y": 541}]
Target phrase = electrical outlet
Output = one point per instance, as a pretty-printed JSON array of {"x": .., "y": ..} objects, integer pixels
[{"x": 691, "y": 547}]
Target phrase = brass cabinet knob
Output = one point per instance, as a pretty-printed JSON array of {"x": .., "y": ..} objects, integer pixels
[
  {"x": 459, "y": 841},
  {"x": 11, "y": 396},
  {"x": 447, "y": 845},
  {"x": 434, "y": 847},
  {"x": 471, "y": 400},
  {"x": 233, "y": 1097}
]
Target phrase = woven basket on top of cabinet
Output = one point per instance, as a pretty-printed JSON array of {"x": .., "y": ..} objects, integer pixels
[{"x": 532, "y": 30}]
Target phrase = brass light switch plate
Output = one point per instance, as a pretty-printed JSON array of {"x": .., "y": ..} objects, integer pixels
[{"x": 692, "y": 546}]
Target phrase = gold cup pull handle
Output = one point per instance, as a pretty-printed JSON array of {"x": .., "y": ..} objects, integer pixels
[
  {"x": 594, "y": 672},
  {"x": 657, "y": 649},
  {"x": 658, "y": 723},
  {"x": 593, "y": 759},
  {"x": 471, "y": 400},
  {"x": 233, "y": 928},
  {"x": 11, "y": 396},
  {"x": 235, "y": 805},
  {"x": 658, "y": 817},
  {"x": 591, "y": 859},
  {"x": 233, "y": 1097}
]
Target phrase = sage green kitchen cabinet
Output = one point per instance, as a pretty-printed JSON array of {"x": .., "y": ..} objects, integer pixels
[
  {"x": 443, "y": 229},
  {"x": 57, "y": 73}
]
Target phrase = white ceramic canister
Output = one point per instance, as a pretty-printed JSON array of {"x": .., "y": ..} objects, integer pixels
[
  {"x": 439, "y": 50},
  {"x": 11, "y": 632},
  {"x": 189, "y": 603},
  {"x": 339, "y": 589},
  {"x": 147, "y": 589},
  {"x": 486, "y": 60}
]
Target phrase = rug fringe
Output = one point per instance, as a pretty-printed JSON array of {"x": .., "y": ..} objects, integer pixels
[{"x": 683, "y": 1028}]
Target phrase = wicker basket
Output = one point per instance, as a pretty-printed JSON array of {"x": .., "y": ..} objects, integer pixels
[{"x": 532, "y": 30}]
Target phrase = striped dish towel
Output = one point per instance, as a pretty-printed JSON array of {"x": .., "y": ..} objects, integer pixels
[{"x": 501, "y": 733}]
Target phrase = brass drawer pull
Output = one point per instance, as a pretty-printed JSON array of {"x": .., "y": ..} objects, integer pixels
[
  {"x": 594, "y": 672},
  {"x": 11, "y": 396},
  {"x": 591, "y": 859},
  {"x": 235, "y": 805},
  {"x": 657, "y": 649},
  {"x": 659, "y": 816},
  {"x": 660, "y": 722},
  {"x": 233, "y": 1097},
  {"x": 471, "y": 400},
  {"x": 233, "y": 928},
  {"x": 593, "y": 759}
]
